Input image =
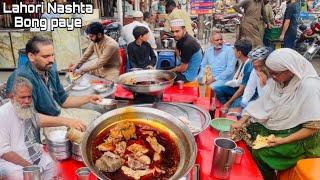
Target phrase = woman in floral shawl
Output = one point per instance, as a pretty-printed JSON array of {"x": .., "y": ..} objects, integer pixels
[{"x": 289, "y": 109}]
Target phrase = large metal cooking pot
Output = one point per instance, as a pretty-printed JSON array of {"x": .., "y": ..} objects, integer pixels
[
  {"x": 147, "y": 75},
  {"x": 156, "y": 118}
]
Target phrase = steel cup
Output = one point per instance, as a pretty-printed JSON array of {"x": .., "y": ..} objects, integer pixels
[
  {"x": 239, "y": 153},
  {"x": 83, "y": 173},
  {"x": 223, "y": 158},
  {"x": 31, "y": 173}
]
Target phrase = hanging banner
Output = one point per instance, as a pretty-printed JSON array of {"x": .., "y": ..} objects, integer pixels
[{"x": 201, "y": 7}]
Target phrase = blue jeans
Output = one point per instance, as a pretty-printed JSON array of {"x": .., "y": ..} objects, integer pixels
[
  {"x": 224, "y": 93},
  {"x": 217, "y": 83}
]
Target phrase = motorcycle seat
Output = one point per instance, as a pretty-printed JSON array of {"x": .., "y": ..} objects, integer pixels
[
  {"x": 230, "y": 16},
  {"x": 113, "y": 26}
]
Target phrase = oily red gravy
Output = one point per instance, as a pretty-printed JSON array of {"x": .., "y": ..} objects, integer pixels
[{"x": 135, "y": 150}]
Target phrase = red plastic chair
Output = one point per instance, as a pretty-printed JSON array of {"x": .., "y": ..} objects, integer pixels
[{"x": 123, "y": 58}]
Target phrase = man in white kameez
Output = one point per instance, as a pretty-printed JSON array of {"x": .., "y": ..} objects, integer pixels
[
  {"x": 127, "y": 30},
  {"x": 19, "y": 133}
]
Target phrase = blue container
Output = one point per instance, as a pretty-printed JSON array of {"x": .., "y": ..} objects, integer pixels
[
  {"x": 22, "y": 57},
  {"x": 166, "y": 60}
]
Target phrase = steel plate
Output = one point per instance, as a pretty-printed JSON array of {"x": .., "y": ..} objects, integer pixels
[
  {"x": 147, "y": 75},
  {"x": 197, "y": 116}
]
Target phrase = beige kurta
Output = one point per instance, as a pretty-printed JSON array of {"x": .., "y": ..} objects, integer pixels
[
  {"x": 252, "y": 24},
  {"x": 269, "y": 13},
  {"x": 108, "y": 61}
]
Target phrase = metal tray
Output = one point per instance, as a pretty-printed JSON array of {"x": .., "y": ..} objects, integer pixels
[
  {"x": 197, "y": 116},
  {"x": 147, "y": 75}
]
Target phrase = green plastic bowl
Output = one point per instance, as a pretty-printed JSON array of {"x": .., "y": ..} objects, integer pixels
[{"x": 221, "y": 124}]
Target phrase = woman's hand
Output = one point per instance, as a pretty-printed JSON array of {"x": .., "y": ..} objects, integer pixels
[
  {"x": 236, "y": 125},
  {"x": 275, "y": 141},
  {"x": 239, "y": 124}
]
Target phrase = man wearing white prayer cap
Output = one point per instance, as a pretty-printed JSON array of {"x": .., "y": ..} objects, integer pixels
[
  {"x": 127, "y": 30},
  {"x": 137, "y": 14},
  {"x": 189, "y": 50}
]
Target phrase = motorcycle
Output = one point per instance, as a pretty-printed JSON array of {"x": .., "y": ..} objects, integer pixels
[
  {"x": 313, "y": 49},
  {"x": 228, "y": 22},
  {"x": 308, "y": 37},
  {"x": 113, "y": 30}
]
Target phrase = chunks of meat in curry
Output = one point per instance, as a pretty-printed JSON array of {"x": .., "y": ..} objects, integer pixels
[
  {"x": 121, "y": 148},
  {"x": 126, "y": 130},
  {"x": 158, "y": 148},
  {"x": 128, "y": 149},
  {"x": 137, "y": 149},
  {"x": 141, "y": 162},
  {"x": 136, "y": 174},
  {"x": 109, "y": 162},
  {"x": 121, "y": 131}
]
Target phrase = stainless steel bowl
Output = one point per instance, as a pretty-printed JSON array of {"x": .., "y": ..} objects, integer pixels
[
  {"x": 76, "y": 157},
  {"x": 147, "y": 75},
  {"x": 76, "y": 149},
  {"x": 107, "y": 104},
  {"x": 76, "y": 152},
  {"x": 156, "y": 118},
  {"x": 60, "y": 156},
  {"x": 59, "y": 147}
]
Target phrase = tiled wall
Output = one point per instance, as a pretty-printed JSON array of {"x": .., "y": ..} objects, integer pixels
[{"x": 67, "y": 47}]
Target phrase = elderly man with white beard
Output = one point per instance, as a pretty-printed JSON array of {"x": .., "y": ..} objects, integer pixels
[{"x": 19, "y": 133}]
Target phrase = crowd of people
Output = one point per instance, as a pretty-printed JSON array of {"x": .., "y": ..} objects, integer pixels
[{"x": 276, "y": 90}]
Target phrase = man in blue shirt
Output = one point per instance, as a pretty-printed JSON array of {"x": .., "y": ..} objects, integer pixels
[
  {"x": 221, "y": 60},
  {"x": 290, "y": 24},
  {"x": 230, "y": 95},
  {"x": 48, "y": 95},
  {"x": 190, "y": 52}
]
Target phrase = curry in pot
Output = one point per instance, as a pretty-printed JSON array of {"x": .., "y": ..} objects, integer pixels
[{"x": 136, "y": 150}]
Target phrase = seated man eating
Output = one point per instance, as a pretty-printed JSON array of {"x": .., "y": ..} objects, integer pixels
[
  {"x": 221, "y": 60},
  {"x": 49, "y": 97},
  {"x": 190, "y": 52},
  {"x": 230, "y": 94},
  {"x": 287, "y": 113}
]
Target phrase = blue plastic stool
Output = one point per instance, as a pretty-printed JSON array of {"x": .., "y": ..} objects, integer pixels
[
  {"x": 166, "y": 60},
  {"x": 22, "y": 57}
]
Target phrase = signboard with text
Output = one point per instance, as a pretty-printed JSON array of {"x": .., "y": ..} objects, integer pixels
[{"x": 202, "y": 6}]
